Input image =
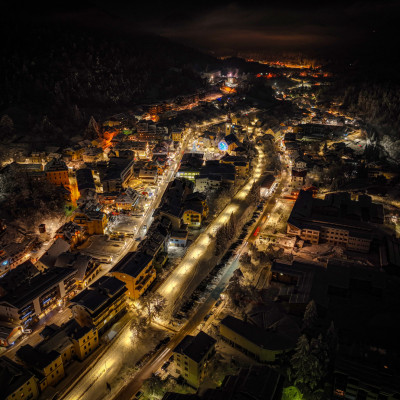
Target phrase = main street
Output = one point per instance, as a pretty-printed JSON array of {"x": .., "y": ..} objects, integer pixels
[
  {"x": 108, "y": 365},
  {"x": 197, "y": 318}
]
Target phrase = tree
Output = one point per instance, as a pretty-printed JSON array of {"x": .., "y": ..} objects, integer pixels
[
  {"x": 310, "y": 317},
  {"x": 139, "y": 326},
  {"x": 154, "y": 304},
  {"x": 305, "y": 366},
  {"x": 6, "y": 124},
  {"x": 319, "y": 349},
  {"x": 92, "y": 131},
  {"x": 221, "y": 240},
  {"x": 153, "y": 386},
  {"x": 331, "y": 340}
]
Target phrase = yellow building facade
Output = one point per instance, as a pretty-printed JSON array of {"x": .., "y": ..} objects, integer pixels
[{"x": 136, "y": 270}]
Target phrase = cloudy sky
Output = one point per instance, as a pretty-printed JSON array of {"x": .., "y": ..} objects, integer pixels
[{"x": 221, "y": 26}]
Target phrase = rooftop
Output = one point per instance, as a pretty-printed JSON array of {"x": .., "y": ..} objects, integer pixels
[
  {"x": 12, "y": 376},
  {"x": 28, "y": 291},
  {"x": 35, "y": 357},
  {"x": 99, "y": 295},
  {"x": 133, "y": 263},
  {"x": 195, "y": 347}
]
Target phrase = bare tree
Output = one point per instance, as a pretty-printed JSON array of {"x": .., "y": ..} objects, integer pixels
[{"x": 153, "y": 304}]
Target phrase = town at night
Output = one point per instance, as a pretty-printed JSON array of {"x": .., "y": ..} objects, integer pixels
[{"x": 200, "y": 201}]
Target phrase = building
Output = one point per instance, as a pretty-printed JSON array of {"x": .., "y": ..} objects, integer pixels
[
  {"x": 136, "y": 270},
  {"x": 48, "y": 367},
  {"x": 179, "y": 238},
  {"x": 85, "y": 182},
  {"x": 91, "y": 218},
  {"x": 70, "y": 340},
  {"x": 57, "y": 172},
  {"x": 31, "y": 298},
  {"x": 268, "y": 333},
  {"x": 240, "y": 163},
  {"x": 298, "y": 178},
  {"x": 127, "y": 200},
  {"x": 117, "y": 174},
  {"x": 193, "y": 215},
  {"x": 101, "y": 304},
  {"x": 49, "y": 258},
  {"x": 255, "y": 382},
  {"x": 171, "y": 205},
  {"x": 13, "y": 254},
  {"x": 148, "y": 175},
  {"x": 71, "y": 233},
  {"x": 190, "y": 166},
  {"x": 177, "y": 135},
  {"x": 360, "y": 380},
  {"x": 17, "y": 382},
  {"x": 337, "y": 220},
  {"x": 267, "y": 186},
  {"x": 86, "y": 267},
  {"x": 191, "y": 356}
]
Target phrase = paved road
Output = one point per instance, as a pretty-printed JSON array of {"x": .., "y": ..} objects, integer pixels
[{"x": 177, "y": 281}]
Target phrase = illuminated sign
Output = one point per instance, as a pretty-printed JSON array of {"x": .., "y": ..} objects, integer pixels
[{"x": 223, "y": 146}]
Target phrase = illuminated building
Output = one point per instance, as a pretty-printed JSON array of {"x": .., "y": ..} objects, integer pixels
[
  {"x": 48, "y": 367},
  {"x": 91, "y": 219},
  {"x": 71, "y": 233},
  {"x": 31, "y": 298},
  {"x": 192, "y": 216},
  {"x": 16, "y": 382},
  {"x": 177, "y": 135},
  {"x": 136, "y": 270},
  {"x": 267, "y": 186},
  {"x": 57, "y": 172},
  {"x": 70, "y": 340},
  {"x": 337, "y": 220},
  {"x": 101, "y": 304},
  {"x": 192, "y": 355}
]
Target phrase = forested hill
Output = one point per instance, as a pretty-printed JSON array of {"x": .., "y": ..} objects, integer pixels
[{"x": 67, "y": 71}]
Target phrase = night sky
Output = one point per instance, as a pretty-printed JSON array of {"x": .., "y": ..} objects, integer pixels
[{"x": 224, "y": 27}]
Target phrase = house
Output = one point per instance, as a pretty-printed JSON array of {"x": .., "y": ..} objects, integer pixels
[
  {"x": 298, "y": 178},
  {"x": 117, "y": 174},
  {"x": 177, "y": 135},
  {"x": 49, "y": 258},
  {"x": 268, "y": 333},
  {"x": 136, "y": 270},
  {"x": 267, "y": 186},
  {"x": 47, "y": 367},
  {"x": 28, "y": 300},
  {"x": 89, "y": 217},
  {"x": 148, "y": 175},
  {"x": 16, "y": 381},
  {"x": 240, "y": 163},
  {"x": 179, "y": 238},
  {"x": 191, "y": 356},
  {"x": 70, "y": 340},
  {"x": 193, "y": 215},
  {"x": 57, "y": 172},
  {"x": 101, "y": 304},
  {"x": 71, "y": 233},
  {"x": 127, "y": 200},
  {"x": 86, "y": 267},
  {"x": 13, "y": 254},
  {"x": 85, "y": 182}
]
